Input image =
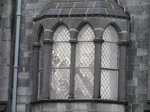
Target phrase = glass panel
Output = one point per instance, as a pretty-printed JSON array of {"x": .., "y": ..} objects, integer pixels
[
  {"x": 109, "y": 84},
  {"x": 110, "y": 55},
  {"x": 61, "y": 34},
  {"x": 85, "y": 54},
  {"x": 86, "y": 34},
  {"x": 60, "y": 84},
  {"x": 110, "y": 34},
  {"x": 61, "y": 55},
  {"x": 60, "y": 64},
  {"x": 84, "y": 83},
  {"x": 109, "y": 64},
  {"x": 84, "y": 64}
]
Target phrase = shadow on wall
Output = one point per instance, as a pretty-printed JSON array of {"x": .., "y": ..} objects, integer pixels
[{"x": 3, "y": 107}]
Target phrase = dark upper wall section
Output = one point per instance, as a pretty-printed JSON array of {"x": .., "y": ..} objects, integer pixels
[{"x": 70, "y": 8}]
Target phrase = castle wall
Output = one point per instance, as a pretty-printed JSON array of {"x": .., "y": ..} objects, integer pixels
[
  {"x": 137, "y": 67},
  {"x": 138, "y": 52},
  {"x": 5, "y": 47},
  {"x": 30, "y": 9}
]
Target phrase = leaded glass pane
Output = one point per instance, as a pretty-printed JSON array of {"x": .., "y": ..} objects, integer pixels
[
  {"x": 61, "y": 34},
  {"x": 61, "y": 55},
  {"x": 84, "y": 74},
  {"x": 109, "y": 84},
  {"x": 84, "y": 83},
  {"x": 109, "y": 64},
  {"x": 86, "y": 34},
  {"x": 110, "y": 34},
  {"x": 60, "y": 64},
  {"x": 60, "y": 84},
  {"x": 85, "y": 54},
  {"x": 110, "y": 55}
]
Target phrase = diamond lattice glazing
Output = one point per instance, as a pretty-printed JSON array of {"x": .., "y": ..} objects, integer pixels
[
  {"x": 61, "y": 55},
  {"x": 109, "y": 64},
  {"x": 86, "y": 34},
  {"x": 60, "y": 64},
  {"x": 110, "y": 55},
  {"x": 60, "y": 84},
  {"x": 61, "y": 34},
  {"x": 85, "y": 54},
  {"x": 109, "y": 84},
  {"x": 84, "y": 74},
  {"x": 84, "y": 83},
  {"x": 110, "y": 34}
]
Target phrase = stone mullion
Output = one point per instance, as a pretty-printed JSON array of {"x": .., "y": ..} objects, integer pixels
[
  {"x": 73, "y": 42},
  {"x": 148, "y": 80},
  {"x": 36, "y": 48},
  {"x": 97, "y": 68},
  {"x": 122, "y": 70},
  {"x": 46, "y": 68}
]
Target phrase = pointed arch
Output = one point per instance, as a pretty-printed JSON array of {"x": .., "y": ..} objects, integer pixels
[
  {"x": 57, "y": 25},
  {"x": 115, "y": 26},
  {"x": 110, "y": 64},
  {"x": 60, "y": 63},
  {"x": 83, "y": 24},
  {"x": 61, "y": 33},
  {"x": 40, "y": 31},
  {"x": 84, "y": 67}
]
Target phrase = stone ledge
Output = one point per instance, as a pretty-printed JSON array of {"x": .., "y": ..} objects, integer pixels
[{"x": 79, "y": 101}]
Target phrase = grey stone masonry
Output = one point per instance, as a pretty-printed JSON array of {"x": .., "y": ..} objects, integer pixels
[
  {"x": 138, "y": 62},
  {"x": 132, "y": 18},
  {"x": 78, "y": 107},
  {"x": 5, "y": 45}
]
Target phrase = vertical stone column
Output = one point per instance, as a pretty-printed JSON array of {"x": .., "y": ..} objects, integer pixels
[
  {"x": 122, "y": 70},
  {"x": 97, "y": 68},
  {"x": 44, "y": 92},
  {"x": 148, "y": 80},
  {"x": 73, "y": 42},
  {"x": 36, "y": 47}
]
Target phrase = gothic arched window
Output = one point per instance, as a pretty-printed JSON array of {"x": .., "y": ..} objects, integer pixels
[
  {"x": 60, "y": 64},
  {"x": 86, "y": 63},
  {"x": 109, "y": 64},
  {"x": 84, "y": 68}
]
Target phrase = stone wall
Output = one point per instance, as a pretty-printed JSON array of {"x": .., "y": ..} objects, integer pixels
[
  {"x": 5, "y": 46},
  {"x": 78, "y": 107},
  {"x": 137, "y": 53},
  {"x": 29, "y": 10}
]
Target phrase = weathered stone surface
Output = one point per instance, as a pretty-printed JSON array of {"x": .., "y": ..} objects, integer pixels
[
  {"x": 5, "y": 46},
  {"x": 78, "y": 107},
  {"x": 138, "y": 58}
]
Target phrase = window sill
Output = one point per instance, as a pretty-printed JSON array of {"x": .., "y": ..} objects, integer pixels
[{"x": 79, "y": 101}]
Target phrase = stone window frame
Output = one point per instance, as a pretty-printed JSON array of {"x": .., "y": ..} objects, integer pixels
[{"x": 74, "y": 30}]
